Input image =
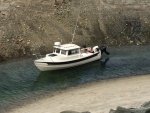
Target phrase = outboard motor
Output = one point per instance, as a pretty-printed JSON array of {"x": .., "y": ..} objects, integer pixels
[{"x": 103, "y": 50}]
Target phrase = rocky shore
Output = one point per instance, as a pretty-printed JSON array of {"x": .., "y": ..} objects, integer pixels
[
  {"x": 145, "y": 108},
  {"x": 32, "y": 26}
]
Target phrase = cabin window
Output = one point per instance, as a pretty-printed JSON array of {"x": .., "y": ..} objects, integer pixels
[
  {"x": 57, "y": 50},
  {"x": 74, "y": 51},
  {"x": 63, "y": 52}
]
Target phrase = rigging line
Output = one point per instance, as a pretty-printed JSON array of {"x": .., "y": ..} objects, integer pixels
[
  {"x": 75, "y": 28},
  {"x": 73, "y": 35}
]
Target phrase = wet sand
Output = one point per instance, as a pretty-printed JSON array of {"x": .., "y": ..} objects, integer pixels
[{"x": 96, "y": 97}]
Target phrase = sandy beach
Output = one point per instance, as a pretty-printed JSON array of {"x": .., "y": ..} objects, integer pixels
[{"x": 96, "y": 97}]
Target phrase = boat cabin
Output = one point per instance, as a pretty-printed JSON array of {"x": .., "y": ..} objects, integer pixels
[{"x": 66, "y": 49}]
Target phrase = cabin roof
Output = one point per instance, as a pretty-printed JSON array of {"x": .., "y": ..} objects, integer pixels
[{"x": 68, "y": 46}]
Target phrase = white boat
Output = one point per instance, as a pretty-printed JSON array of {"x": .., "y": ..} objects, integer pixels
[{"x": 68, "y": 55}]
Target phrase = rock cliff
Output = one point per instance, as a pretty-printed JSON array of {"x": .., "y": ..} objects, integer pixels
[{"x": 32, "y": 26}]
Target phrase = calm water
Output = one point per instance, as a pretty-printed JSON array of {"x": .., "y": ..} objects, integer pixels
[{"x": 20, "y": 80}]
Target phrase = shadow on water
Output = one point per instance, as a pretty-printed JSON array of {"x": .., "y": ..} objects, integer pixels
[{"x": 69, "y": 77}]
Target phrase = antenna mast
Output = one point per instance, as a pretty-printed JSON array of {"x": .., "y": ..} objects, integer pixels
[
  {"x": 73, "y": 35},
  {"x": 75, "y": 28}
]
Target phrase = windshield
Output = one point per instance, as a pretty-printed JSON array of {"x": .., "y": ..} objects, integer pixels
[
  {"x": 74, "y": 51},
  {"x": 56, "y": 50},
  {"x": 63, "y": 52}
]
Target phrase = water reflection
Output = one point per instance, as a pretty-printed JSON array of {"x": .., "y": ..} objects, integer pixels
[{"x": 69, "y": 77}]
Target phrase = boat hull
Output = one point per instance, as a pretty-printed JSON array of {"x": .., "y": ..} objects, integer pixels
[{"x": 48, "y": 66}]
